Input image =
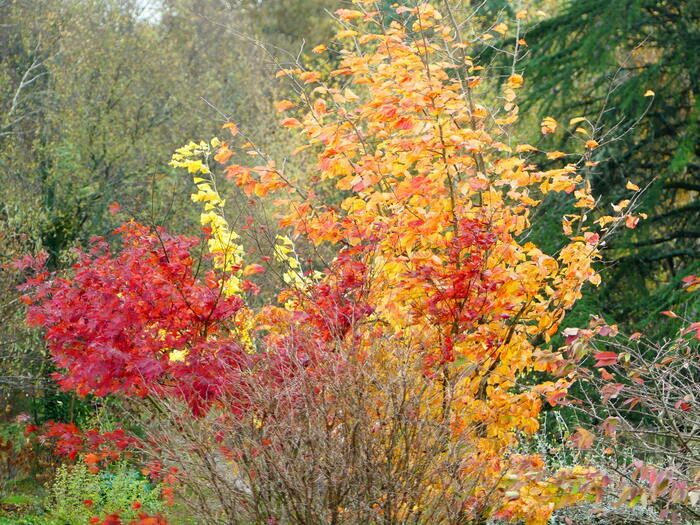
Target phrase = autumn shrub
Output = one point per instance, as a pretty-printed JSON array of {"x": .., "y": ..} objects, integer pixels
[
  {"x": 638, "y": 415},
  {"x": 22, "y": 462},
  {"x": 360, "y": 448},
  {"x": 393, "y": 381},
  {"x": 15, "y": 458}
]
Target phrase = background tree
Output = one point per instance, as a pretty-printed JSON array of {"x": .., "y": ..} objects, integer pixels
[
  {"x": 597, "y": 59},
  {"x": 93, "y": 98}
]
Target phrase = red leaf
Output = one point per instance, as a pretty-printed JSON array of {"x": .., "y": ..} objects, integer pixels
[
  {"x": 683, "y": 405},
  {"x": 404, "y": 123},
  {"x": 691, "y": 283},
  {"x": 611, "y": 391},
  {"x": 605, "y": 359},
  {"x": 609, "y": 426}
]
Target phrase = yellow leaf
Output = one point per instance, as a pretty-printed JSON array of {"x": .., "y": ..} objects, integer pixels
[
  {"x": 631, "y": 186},
  {"x": 177, "y": 355},
  {"x": 553, "y": 155},
  {"x": 286, "y": 72},
  {"x": 348, "y": 14},
  {"x": 621, "y": 205},
  {"x": 515, "y": 81},
  {"x": 345, "y": 33},
  {"x": 649, "y": 93},
  {"x": 299, "y": 149},
  {"x": 548, "y": 125},
  {"x": 605, "y": 220},
  {"x": 501, "y": 28}
]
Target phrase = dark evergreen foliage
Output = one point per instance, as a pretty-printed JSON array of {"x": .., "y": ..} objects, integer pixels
[{"x": 597, "y": 58}]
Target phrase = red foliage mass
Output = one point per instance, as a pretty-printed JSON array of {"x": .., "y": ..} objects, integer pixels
[
  {"x": 111, "y": 326},
  {"x": 68, "y": 440}
]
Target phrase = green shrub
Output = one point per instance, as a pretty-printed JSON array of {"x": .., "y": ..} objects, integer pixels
[{"x": 77, "y": 494}]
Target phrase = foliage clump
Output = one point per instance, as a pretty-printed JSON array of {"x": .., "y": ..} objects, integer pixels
[
  {"x": 394, "y": 381},
  {"x": 77, "y": 495}
]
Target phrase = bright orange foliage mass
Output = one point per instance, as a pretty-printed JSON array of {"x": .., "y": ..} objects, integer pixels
[
  {"x": 438, "y": 202},
  {"x": 434, "y": 264}
]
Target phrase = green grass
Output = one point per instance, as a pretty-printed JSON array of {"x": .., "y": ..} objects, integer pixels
[
  {"x": 19, "y": 500},
  {"x": 23, "y": 520},
  {"x": 22, "y": 507}
]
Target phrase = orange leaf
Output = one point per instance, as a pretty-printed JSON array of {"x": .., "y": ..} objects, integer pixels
[
  {"x": 631, "y": 221},
  {"x": 233, "y": 129},
  {"x": 283, "y": 105},
  {"x": 253, "y": 269},
  {"x": 583, "y": 439},
  {"x": 310, "y": 76},
  {"x": 290, "y": 123},
  {"x": 91, "y": 459},
  {"x": 223, "y": 155}
]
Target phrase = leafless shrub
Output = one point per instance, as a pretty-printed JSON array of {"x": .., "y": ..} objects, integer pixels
[
  {"x": 360, "y": 448},
  {"x": 640, "y": 417}
]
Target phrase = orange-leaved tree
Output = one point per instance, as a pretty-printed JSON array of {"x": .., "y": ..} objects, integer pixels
[
  {"x": 437, "y": 202},
  {"x": 416, "y": 362}
]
